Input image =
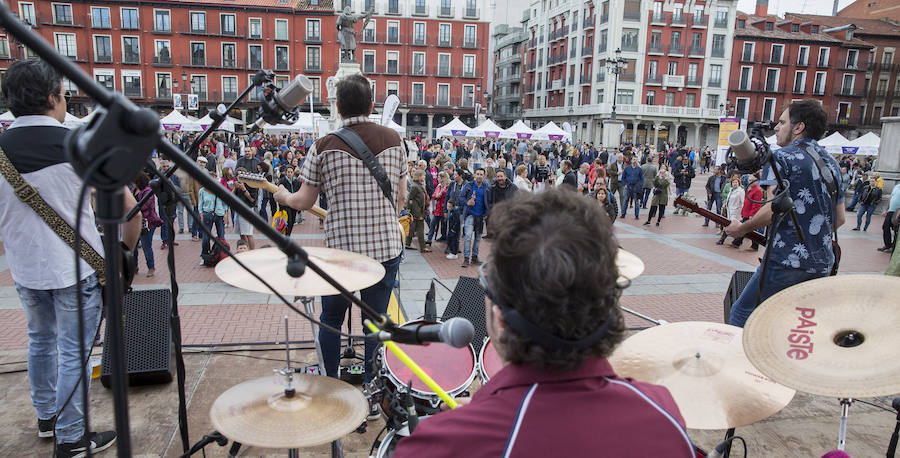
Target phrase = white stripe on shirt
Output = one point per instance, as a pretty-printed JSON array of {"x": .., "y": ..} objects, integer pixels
[
  {"x": 511, "y": 441},
  {"x": 660, "y": 409}
]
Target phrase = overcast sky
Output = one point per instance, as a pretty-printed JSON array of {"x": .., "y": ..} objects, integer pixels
[{"x": 779, "y": 7}]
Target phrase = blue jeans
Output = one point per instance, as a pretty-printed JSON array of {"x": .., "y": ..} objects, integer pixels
[
  {"x": 472, "y": 234},
  {"x": 632, "y": 193},
  {"x": 334, "y": 308},
  {"x": 853, "y": 203},
  {"x": 147, "y": 246},
  {"x": 210, "y": 219},
  {"x": 54, "y": 362},
  {"x": 437, "y": 222},
  {"x": 717, "y": 199},
  {"x": 179, "y": 213},
  {"x": 867, "y": 209},
  {"x": 645, "y": 197},
  {"x": 777, "y": 279}
]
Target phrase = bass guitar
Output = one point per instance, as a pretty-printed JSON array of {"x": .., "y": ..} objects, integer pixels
[
  {"x": 684, "y": 204},
  {"x": 259, "y": 181}
]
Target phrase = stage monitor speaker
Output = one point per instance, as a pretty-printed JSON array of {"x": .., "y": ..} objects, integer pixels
[
  {"x": 467, "y": 301},
  {"x": 735, "y": 288},
  {"x": 147, "y": 339}
]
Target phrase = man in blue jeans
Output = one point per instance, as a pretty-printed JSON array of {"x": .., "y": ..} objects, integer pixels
[
  {"x": 634, "y": 182},
  {"x": 476, "y": 198},
  {"x": 361, "y": 218},
  {"x": 792, "y": 261},
  {"x": 41, "y": 263}
]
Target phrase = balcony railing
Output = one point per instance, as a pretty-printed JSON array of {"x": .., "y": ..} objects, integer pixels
[
  {"x": 601, "y": 76},
  {"x": 679, "y": 19},
  {"x": 313, "y": 39},
  {"x": 419, "y": 41},
  {"x": 655, "y": 47},
  {"x": 281, "y": 65},
  {"x": 749, "y": 57},
  {"x": 134, "y": 92},
  {"x": 420, "y": 10},
  {"x": 631, "y": 15},
  {"x": 848, "y": 92},
  {"x": 444, "y": 43},
  {"x": 393, "y": 8},
  {"x": 697, "y": 51},
  {"x": 255, "y": 64},
  {"x": 699, "y": 21},
  {"x": 571, "y": 80},
  {"x": 587, "y": 51},
  {"x": 468, "y": 43},
  {"x": 658, "y": 19},
  {"x": 585, "y": 78},
  {"x": 445, "y": 11},
  {"x": 163, "y": 93},
  {"x": 588, "y": 22},
  {"x": 471, "y": 13},
  {"x": 693, "y": 81},
  {"x": 627, "y": 77},
  {"x": 572, "y": 53},
  {"x": 720, "y": 23},
  {"x": 532, "y": 43},
  {"x": 162, "y": 60},
  {"x": 675, "y": 48},
  {"x": 631, "y": 46},
  {"x": 103, "y": 59},
  {"x": 198, "y": 61},
  {"x": 717, "y": 52},
  {"x": 714, "y": 83},
  {"x": 654, "y": 78}
]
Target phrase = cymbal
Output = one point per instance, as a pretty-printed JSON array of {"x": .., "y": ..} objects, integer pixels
[
  {"x": 704, "y": 367},
  {"x": 353, "y": 270},
  {"x": 257, "y": 412},
  {"x": 793, "y": 336},
  {"x": 630, "y": 266}
]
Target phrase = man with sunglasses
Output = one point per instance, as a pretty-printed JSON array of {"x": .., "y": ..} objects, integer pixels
[{"x": 552, "y": 315}]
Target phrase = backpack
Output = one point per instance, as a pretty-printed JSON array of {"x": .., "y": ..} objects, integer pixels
[
  {"x": 216, "y": 253},
  {"x": 279, "y": 221}
]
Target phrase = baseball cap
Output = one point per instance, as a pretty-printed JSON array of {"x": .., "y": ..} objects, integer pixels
[{"x": 202, "y": 159}]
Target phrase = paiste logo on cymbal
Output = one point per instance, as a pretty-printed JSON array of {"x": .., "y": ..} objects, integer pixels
[{"x": 800, "y": 339}]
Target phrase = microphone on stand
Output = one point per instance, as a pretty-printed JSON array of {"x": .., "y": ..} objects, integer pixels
[
  {"x": 280, "y": 107},
  {"x": 748, "y": 152},
  {"x": 456, "y": 332}
]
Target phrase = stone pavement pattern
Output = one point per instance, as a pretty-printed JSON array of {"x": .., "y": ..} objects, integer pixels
[{"x": 685, "y": 280}]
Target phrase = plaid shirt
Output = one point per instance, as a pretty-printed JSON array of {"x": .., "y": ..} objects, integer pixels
[{"x": 360, "y": 218}]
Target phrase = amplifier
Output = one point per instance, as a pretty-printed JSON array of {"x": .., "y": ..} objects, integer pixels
[{"x": 147, "y": 339}]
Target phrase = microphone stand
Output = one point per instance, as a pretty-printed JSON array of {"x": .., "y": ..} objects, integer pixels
[{"x": 892, "y": 446}]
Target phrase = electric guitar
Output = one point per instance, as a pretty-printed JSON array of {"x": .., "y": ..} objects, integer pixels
[
  {"x": 692, "y": 207},
  {"x": 259, "y": 181}
]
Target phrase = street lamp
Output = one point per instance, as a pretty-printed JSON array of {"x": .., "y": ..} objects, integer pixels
[
  {"x": 184, "y": 91},
  {"x": 174, "y": 89},
  {"x": 616, "y": 66}
]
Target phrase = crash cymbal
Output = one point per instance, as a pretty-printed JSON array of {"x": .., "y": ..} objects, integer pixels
[
  {"x": 833, "y": 336},
  {"x": 258, "y": 413},
  {"x": 354, "y": 271},
  {"x": 630, "y": 266},
  {"x": 704, "y": 367}
]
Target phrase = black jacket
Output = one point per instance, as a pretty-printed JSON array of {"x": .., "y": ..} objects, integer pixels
[
  {"x": 711, "y": 184},
  {"x": 683, "y": 180},
  {"x": 870, "y": 195},
  {"x": 499, "y": 194}
]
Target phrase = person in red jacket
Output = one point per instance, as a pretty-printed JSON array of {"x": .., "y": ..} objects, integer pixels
[{"x": 754, "y": 194}]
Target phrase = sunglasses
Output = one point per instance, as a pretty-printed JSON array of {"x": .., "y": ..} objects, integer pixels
[{"x": 68, "y": 96}]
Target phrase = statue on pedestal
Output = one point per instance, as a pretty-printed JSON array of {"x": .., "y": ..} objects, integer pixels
[{"x": 347, "y": 35}]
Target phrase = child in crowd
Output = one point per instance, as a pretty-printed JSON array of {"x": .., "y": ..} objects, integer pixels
[
  {"x": 452, "y": 230},
  {"x": 242, "y": 246}
]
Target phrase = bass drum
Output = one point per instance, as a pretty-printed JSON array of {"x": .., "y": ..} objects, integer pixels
[
  {"x": 488, "y": 361},
  {"x": 386, "y": 449}
]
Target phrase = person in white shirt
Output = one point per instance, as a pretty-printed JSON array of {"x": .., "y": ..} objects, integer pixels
[{"x": 521, "y": 182}]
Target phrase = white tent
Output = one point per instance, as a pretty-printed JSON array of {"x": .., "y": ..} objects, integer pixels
[
  {"x": 867, "y": 145},
  {"x": 551, "y": 131},
  {"x": 207, "y": 121},
  {"x": 454, "y": 128},
  {"x": 235, "y": 121},
  {"x": 834, "y": 143},
  {"x": 376, "y": 118},
  {"x": 518, "y": 130},
  {"x": 486, "y": 129},
  {"x": 177, "y": 121},
  {"x": 306, "y": 123},
  {"x": 773, "y": 143},
  {"x": 72, "y": 121},
  {"x": 6, "y": 119}
]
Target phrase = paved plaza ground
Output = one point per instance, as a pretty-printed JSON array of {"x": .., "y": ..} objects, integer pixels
[{"x": 685, "y": 279}]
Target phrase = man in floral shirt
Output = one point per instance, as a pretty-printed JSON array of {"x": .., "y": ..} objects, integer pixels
[{"x": 790, "y": 260}]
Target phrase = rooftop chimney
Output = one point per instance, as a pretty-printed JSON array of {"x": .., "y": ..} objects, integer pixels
[{"x": 762, "y": 8}]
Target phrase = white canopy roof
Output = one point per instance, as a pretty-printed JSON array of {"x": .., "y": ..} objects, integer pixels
[
  {"x": 454, "y": 128},
  {"x": 376, "y": 118},
  {"x": 834, "y": 143},
  {"x": 773, "y": 142},
  {"x": 486, "y": 129},
  {"x": 7, "y": 118},
  {"x": 207, "y": 121},
  {"x": 518, "y": 130},
  {"x": 306, "y": 123},
  {"x": 177, "y": 121},
  {"x": 551, "y": 131},
  {"x": 868, "y": 145},
  {"x": 235, "y": 121},
  {"x": 71, "y": 120}
]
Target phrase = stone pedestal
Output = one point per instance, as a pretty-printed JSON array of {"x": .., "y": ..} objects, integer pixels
[
  {"x": 612, "y": 134},
  {"x": 345, "y": 69},
  {"x": 888, "y": 164}
]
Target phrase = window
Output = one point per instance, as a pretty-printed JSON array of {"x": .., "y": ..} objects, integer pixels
[
  {"x": 393, "y": 32},
  {"x": 772, "y": 79},
  {"x": 722, "y": 17},
  {"x": 469, "y": 36},
  {"x": 255, "y": 27},
  {"x": 198, "y": 86},
  {"x": 715, "y": 75},
  {"x": 444, "y": 35},
  {"x": 690, "y": 100},
  {"x": 393, "y": 87},
  {"x": 847, "y": 83},
  {"x": 65, "y": 44},
  {"x": 198, "y": 54},
  {"x": 106, "y": 79},
  {"x": 823, "y": 57},
  {"x": 131, "y": 50},
  {"x": 712, "y": 102},
  {"x": 696, "y": 43},
  {"x": 163, "y": 52},
  {"x": 420, "y": 7},
  {"x": 571, "y": 96},
  {"x": 256, "y": 57},
  {"x": 418, "y": 93},
  {"x": 603, "y": 43},
  {"x": 62, "y": 13},
  {"x": 852, "y": 55},
  {"x": 819, "y": 85},
  {"x": 419, "y": 33},
  {"x": 777, "y": 52},
  {"x": 162, "y": 21},
  {"x": 281, "y": 29},
  {"x": 747, "y": 54},
  {"x": 768, "y": 113},
  {"x": 770, "y": 26},
  {"x": 673, "y": 68},
  {"x": 629, "y": 40},
  {"x": 718, "y": 46},
  {"x": 468, "y": 66},
  {"x": 795, "y": 28},
  {"x": 281, "y": 58},
  {"x": 4, "y": 48},
  {"x": 418, "y": 64},
  {"x": 227, "y": 24},
  {"x": 198, "y": 22},
  {"x": 26, "y": 12},
  {"x": 163, "y": 85},
  {"x": 229, "y": 88},
  {"x": 313, "y": 30},
  {"x": 740, "y": 107},
  {"x": 100, "y": 18},
  {"x": 887, "y": 57},
  {"x": 313, "y": 58},
  {"x": 670, "y": 99},
  {"x": 317, "y": 90},
  {"x": 803, "y": 56},
  {"x": 741, "y": 23},
  {"x": 653, "y": 70},
  {"x": 393, "y": 64},
  {"x": 443, "y": 65},
  {"x": 443, "y": 94},
  {"x": 651, "y": 98},
  {"x": 746, "y": 78},
  {"x": 625, "y": 97},
  {"x": 229, "y": 55},
  {"x": 369, "y": 33},
  {"x": 131, "y": 83},
  {"x": 130, "y": 22},
  {"x": 368, "y": 61},
  {"x": 655, "y": 41},
  {"x": 102, "y": 48},
  {"x": 799, "y": 82}
]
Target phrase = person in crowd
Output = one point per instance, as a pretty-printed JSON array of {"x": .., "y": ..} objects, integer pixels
[
  {"x": 476, "y": 206},
  {"x": 40, "y": 262},
  {"x": 845, "y": 180},
  {"x": 567, "y": 176},
  {"x": 615, "y": 172},
  {"x": 554, "y": 358},
  {"x": 529, "y": 166},
  {"x": 752, "y": 196},
  {"x": 714, "y": 185},
  {"x": 438, "y": 217},
  {"x": 265, "y": 196},
  {"x": 649, "y": 171},
  {"x": 609, "y": 205},
  {"x": 583, "y": 178},
  {"x": 522, "y": 182},
  {"x": 229, "y": 181},
  {"x": 248, "y": 161},
  {"x": 633, "y": 178},
  {"x": 871, "y": 197},
  {"x": 793, "y": 261},
  {"x": 541, "y": 175},
  {"x": 501, "y": 165},
  {"x": 890, "y": 240},
  {"x": 660, "y": 195},
  {"x": 249, "y": 196},
  {"x": 212, "y": 210},
  {"x": 290, "y": 182},
  {"x": 683, "y": 173},
  {"x": 151, "y": 221},
  {"x": 373, "y": 232},
  {"x": 192, "y": 189},
  {"x": 734, "y": 204},
  {"x": 502, "y": 189},
  {"x": 859, "y": 185},
  {"x": 453, "y": 229},
  {"x": 168, "y": 230}
]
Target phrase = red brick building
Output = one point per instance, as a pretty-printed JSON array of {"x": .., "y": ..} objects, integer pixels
[{"x": 775, "y": 61}]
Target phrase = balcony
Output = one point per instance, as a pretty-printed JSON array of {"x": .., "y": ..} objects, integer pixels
[
  {"x": 445, "y": 11},
  {"x": 750, "y": 58},
  {"x": 604, "y": 18},
  {"x": 699, "y": 21},
  {"x": 419, "y": 41},
  {"x": 693, "y": 81},
  {"x": 714, "y": 83},
  {"x": 163, "y": 93},
  {"x": 200, "y": 61},
  {"x": 530, "y": 66},
  {"x": 776, "y": 59},
  {"x": 393, "y": 8},
  {"x": 587, "y": 51},
  {"x": 471, "y": 13},
  {"x": 472, "y": 73},
  {"x": 631, "y": 15},
  {"x": 585, "y": 78},
  {"x": 630, "y": 46},
  {"x": 502, "y": 97},
  {"x": 655, "y": 48},
  {"x": 697, "y": 51},
  {"x": 654, "y": 78},
  {"x": 444, "y": 42},
  {"x": 717, "y": 52},
  {"x": 556, "y": 85},
  {"x": 313, "y": 67},
  {"x": 167, "y": 31},
  {"x": 673, "y": 81},
  {"x": 134, "y": 92},
  {"x": 469, "y": 43},
  {"x": 852, "y": 66},
  {"x": 658, "y": 19},
  {"x": 848, "y": 92},
  {"x": 573, "y": 53},
  {"x": 256, "y": 64},
  {"x": 162, "y": 61},
  {"x": 282, "y": 65},
  {"x": 103, "y": 59},
  {"x": 601, "y": 76},
  {"x": 368, "y": 36},
  {"x": 441, "y": 70},
  {"x": 630, "y": 77},
  {"x": 721, "y": 23},
  {"x": 312, "y": 39},
  {"x": 675, "y": 49},
  {"x": 588, "y": 22},
  {"x": 679, "y": 20},
  {"x": 602, "y": 109},
  {"x": 420, "y": 10},
  {"x": 529, "y": 88},
  {"x": 391, "y": 38},
  {"x": 532, "y": 43},
  {"x": 571, "y": 80}
]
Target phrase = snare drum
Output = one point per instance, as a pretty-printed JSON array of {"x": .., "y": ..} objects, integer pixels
[
  {"x": 453, "y": 369},
  {"x": 488, "y": 361}
]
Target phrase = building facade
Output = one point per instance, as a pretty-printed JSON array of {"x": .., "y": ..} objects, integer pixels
[
  {"x": 506, "y": 102},
  {"x": 672, "y": 88},
  {"x": 431, "y": 53},
  {"x": 872, "y": 9},
  {"x": 780, "y": 60}
]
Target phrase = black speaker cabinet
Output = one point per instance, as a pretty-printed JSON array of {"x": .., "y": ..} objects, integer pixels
[
  {"x": 147, "y": 339},
  {"x": 467, "y": 301},
  {"x": 735, "y": 288}
]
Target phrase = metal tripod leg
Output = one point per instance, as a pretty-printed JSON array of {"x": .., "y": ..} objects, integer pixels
[
  {"x": 842, "y": 431},
  {"x": 337, "y": 451}
]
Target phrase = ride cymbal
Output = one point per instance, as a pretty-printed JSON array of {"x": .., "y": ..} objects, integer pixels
[
  {"x": 257, "y": 412},
  {"x": 704, "y": 367},
  {"x": 833, "y": 336},
  {"x": 630, "y": 266},
  {"x": 353, "y": 270}
]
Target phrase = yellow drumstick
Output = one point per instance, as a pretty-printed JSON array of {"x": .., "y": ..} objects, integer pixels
[{"x": 402, "y": 356}]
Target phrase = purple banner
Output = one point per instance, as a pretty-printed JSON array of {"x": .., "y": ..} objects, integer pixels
[
  {"x": 555, "y": 137},
  {"x": 459, "y": 133},
  {"x": 171, "y": 126},
  {"x": 492, "y": 134},
  {"x": 849, "y": 149},
  {"x": 523, "y": 136}
]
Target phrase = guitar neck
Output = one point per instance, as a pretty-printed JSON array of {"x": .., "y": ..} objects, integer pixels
[{"x": 753, "y": 236}]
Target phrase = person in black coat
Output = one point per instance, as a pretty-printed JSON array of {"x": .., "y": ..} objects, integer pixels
[
  {"x": 292, "y": 184},
  {"x": 569, "y": 177}
]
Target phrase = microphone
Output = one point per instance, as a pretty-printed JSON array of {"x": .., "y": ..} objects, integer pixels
[
  {"x": 744, "y": 149},
  {"x": 278, "y": 108},
  {"x": 456, "y": 332}
]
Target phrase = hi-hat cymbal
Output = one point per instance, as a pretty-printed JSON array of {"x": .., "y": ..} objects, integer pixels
[
  {"x": 704, "y": 367},
  {"x": 630, "y": 266},
  {"x": 258, "y": 413},
  {"x": 833, "y": 336},
  {"x": 353, "y": 270}
]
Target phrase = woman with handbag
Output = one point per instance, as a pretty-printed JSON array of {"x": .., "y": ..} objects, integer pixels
[
  {"x": 438, "y": 218},
  {"x": 150, "y": 221},
  {"x": 660, "y": 194},
  {"x": 734, "y": 203}
]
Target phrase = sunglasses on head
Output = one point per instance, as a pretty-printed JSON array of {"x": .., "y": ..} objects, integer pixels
[{"x": 68, "y": 96}]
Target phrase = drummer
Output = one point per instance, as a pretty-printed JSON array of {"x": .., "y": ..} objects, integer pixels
[{"x": 552, "y": 315}]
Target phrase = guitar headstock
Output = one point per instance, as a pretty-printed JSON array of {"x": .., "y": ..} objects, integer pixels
[
  {"x": 254, "y": 180},
  {"x": 686, "y": 202}
]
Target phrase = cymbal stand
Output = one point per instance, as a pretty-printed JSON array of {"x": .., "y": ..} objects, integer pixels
[
  {"x": 641, "y": 315},
  {"x": 842, "y": 431}
]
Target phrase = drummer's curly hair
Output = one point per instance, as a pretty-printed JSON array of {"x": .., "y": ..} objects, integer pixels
[{"x": 553, "y": 260}]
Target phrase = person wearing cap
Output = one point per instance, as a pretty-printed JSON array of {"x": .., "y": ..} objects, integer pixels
[{"x": 553, "y": 329}]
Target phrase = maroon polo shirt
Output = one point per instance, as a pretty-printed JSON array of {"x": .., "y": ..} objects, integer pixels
[{"x": 524, "y": 412}]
